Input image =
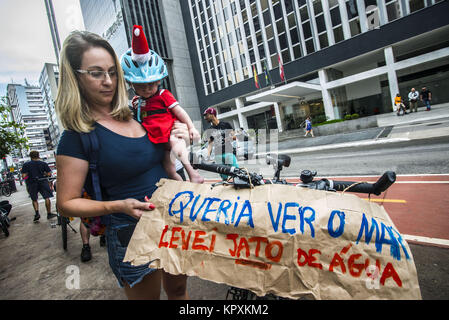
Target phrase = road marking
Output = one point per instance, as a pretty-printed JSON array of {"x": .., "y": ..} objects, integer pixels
[
  {"x": 422, "y": 181},
  {"x": 378, "y": 176},
  {"x": 30, "y": 203},
  {"x": 385, "y": 200},
  {"x": 409, "y": 237}
]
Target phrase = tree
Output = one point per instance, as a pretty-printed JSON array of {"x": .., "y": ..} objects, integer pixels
[{"x": 12, "y": 134}]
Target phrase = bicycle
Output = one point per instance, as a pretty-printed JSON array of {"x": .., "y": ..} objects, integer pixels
[
  {"x": 5, "y": 189},
  {"x": 242, "y": 178}
]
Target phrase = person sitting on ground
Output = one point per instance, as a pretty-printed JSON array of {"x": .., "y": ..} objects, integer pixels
[
  {"x": 34, "y": 173},
  {"x": 399, "y": 105}
]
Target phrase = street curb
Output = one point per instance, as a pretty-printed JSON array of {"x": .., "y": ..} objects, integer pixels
[
  {"x": 337, "y": 146},
  {"x": 361, "y": 143}
]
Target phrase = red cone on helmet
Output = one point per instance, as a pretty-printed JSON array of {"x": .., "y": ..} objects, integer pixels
[{"x": 140, "y": 51}]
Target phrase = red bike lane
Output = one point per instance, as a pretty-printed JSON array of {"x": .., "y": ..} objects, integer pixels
[{"x": 418, "y": 205}]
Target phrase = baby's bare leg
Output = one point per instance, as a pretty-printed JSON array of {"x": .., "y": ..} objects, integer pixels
[
  {"x": 170, "y": 167},
  {"x": 179, "y": 150}
]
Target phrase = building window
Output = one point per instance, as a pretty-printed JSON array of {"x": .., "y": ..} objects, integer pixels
[
  {"x": 354, "y": 25},
  {"x": 353, "y": 17},
  {"x": 267, "y": 17},
  {"x": 320, "y": 24},
  {"x": 416, "y": 5},
  {"x": 338, "y": 34},
  {"x": 294, "y": 36},
  {"x": 309, "y": 46},
  {"x": 323, "y": 40},
  {"x": 393, "y": 11},
  {"x": 335, "y": 16},
  {"x": 317, "y": 7},
  {"x": 297, "y": 51},
  {"x": 351, "y": 8},
  {"x": 305, "y": 24}
]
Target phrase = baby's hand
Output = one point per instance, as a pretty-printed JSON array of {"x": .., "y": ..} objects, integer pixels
[
  {"x": 135, "y": 102},
  {"x": 194, "y": 135}
]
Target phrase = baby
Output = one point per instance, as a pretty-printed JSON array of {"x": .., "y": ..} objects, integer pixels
[{"x": 157, "y": 109}]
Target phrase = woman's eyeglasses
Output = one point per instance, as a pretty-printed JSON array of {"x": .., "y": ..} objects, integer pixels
[{"x": 99, "y": 74}]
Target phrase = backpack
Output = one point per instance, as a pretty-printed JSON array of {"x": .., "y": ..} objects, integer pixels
[{"x": 92, "y": 189}]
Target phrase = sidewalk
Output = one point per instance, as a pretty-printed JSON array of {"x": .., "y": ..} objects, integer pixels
[
  {"x": 33, "y": 264},
  {"x": 385, "y": 132}
]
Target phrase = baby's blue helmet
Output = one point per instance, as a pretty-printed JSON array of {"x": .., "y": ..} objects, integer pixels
[{"x": 151, "y": 71}]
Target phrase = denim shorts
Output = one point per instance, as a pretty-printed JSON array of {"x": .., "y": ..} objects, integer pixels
[
  {"x": 118, "y": 235},
  {"x": 39, "y": 186}
]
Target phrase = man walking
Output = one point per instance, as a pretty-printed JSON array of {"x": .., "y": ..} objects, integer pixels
[
  {"x": 413, "y": 99},
  {"x": 32, "y": 172},
  {"x": 426, "y": 96},
  {"x": 221, "y": 135}
]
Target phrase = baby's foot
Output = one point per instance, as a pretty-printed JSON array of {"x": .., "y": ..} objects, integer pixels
[{"x": 196, "y": 179}]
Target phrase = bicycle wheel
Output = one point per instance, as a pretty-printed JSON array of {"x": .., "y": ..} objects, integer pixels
[
  {"x": 6, "y": 191},
  {"x": 3, "y": 226},
  {"x": 64, "y": 232}
]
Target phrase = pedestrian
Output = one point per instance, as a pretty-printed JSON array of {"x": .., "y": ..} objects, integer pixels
[
  {"x": 92, "y": 96},
  {"x": 413, "y": 99},
  {"x": 34, "y": 173},
  {"x": 157, "y": 109},
  {"x": 309, "y": 127},
  {"x": 426, "y": 97},
  {"x": 220, "y": 138},
  {"x": 399, "y": 105}
]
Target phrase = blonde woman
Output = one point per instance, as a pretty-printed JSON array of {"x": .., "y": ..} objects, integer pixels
[{"x": 92, "y": 96}]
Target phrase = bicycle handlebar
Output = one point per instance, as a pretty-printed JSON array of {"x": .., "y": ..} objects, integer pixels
[
  {"x": 46, "y": 178},
  {"x": 384, "y": 182},
  {"x": 245, "y": 178}
]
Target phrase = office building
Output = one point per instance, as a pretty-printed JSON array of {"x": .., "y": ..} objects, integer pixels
[
  {"x": 114, "y": 19},
  {"x": 48, "y": 82},
  {"x": 339, "y": 56},
  {"x": 28, "y": 109},
  {"x": 53, "y": 28}
]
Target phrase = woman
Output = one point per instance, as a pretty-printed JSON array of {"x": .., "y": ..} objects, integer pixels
[
  {"x": 309, "y": 127},
  {"x": 92, "y": 96}
]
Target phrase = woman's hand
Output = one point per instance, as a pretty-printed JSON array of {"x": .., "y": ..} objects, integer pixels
[
  {"x": 135, "y": 208},
  {"x": 180, "y": 131}
]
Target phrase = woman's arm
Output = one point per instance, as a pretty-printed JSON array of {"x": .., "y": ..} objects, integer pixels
[{"x": 72, "y": 173}]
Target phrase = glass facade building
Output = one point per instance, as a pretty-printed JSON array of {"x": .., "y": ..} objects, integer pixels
[
  {"x": 48, "y": 82},
  {"x": 105, "y": 18},
  {"x": 339, "y": 56}
]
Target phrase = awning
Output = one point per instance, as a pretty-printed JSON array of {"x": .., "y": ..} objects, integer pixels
[{"x": 294, "y": 90}]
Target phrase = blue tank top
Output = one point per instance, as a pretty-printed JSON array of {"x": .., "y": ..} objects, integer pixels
[{"x": 127, "y": 167}]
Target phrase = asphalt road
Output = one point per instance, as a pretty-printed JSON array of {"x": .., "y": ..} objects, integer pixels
[{"x": 411, "y": 157}]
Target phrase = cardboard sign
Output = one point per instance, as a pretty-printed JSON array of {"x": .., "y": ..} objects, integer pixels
[{"x": 292, "y": 242}]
